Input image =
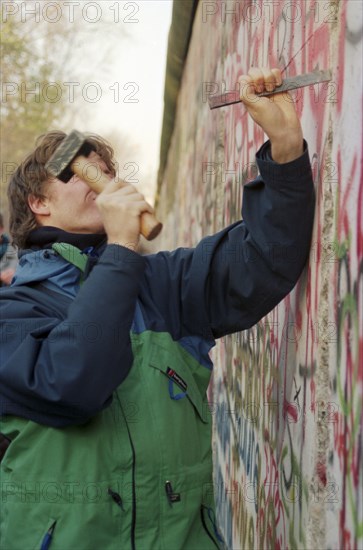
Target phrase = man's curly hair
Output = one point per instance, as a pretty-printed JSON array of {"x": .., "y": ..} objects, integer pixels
[{"x": 31, "y": 177}]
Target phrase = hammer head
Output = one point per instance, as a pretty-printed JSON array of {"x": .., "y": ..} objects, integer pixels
[{"x": 59, "y": 164}]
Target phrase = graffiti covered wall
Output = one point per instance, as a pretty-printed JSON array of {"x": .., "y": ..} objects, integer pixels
[{"x": 287, "y": 394}]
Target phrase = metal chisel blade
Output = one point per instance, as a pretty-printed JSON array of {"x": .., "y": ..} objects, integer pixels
[{"x": 290, "y": 83}]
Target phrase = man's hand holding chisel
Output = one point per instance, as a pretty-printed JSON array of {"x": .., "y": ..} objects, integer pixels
[{"x": 276, "y": 114}]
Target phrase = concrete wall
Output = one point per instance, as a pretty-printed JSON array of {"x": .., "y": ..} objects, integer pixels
[{"x": 287, "y": 394}]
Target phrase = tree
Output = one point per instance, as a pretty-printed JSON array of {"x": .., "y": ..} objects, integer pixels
[{"x": 40, "y": 59}]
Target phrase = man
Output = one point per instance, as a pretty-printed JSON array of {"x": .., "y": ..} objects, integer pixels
[
  {"x": 105, "y": 359},
  {"x": 8, "y": 256}
]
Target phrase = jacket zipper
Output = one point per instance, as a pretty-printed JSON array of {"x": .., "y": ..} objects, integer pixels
[
  {"x": 133, "y": 526},
  {"x": 116, "y": 498},
  {"x": 172, "y": 497},
  {"x": 133, "y": 523},
  {"x": 202, "y": 508},
  {"x": 46, "y": 542}
]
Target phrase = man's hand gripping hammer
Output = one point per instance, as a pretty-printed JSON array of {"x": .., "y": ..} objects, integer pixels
[{"x": 71, "y": 158}]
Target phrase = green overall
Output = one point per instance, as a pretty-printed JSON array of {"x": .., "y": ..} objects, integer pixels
[{"x": 137, "y": 475}]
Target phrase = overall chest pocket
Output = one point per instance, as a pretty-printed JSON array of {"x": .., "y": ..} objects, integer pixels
[{"x": 180, "y": 409}]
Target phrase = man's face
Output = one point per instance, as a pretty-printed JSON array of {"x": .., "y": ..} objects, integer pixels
[{"x": 72, "y": 205}]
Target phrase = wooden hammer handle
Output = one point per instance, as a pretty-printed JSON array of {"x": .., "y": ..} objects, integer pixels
[{"x": 90, "y": 172}]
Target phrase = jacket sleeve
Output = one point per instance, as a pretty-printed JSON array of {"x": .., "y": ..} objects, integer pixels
[
  {"x": 234, "y": 278},
  {"x": 64, "y": 371}
]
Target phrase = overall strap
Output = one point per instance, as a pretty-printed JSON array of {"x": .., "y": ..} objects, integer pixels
[{"x": 73, "y": 255}]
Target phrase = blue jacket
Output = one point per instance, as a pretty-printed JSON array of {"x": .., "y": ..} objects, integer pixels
[{"x": 62, "y": 345}]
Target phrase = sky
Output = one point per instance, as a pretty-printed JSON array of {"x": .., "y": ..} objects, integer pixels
[
  {"x": 107, "y": 62},
  {"x": 129, "y": 85}
]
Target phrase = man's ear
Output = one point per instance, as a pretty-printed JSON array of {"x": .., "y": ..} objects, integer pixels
[{"x": 39, "y": 206}]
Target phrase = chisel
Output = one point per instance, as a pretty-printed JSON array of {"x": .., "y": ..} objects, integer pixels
[{"x": 290, "y": 83}]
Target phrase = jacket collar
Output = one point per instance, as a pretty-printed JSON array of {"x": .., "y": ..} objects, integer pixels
[
  {"x": 39, "y": 263},
  {"x": 44, "y": 237}
]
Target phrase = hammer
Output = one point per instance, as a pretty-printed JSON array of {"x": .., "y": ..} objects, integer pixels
[{"x": 71, "y": 158}]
